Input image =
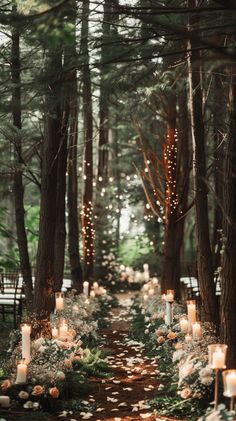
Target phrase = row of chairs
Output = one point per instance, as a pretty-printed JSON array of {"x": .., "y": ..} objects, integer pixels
[{"x": 11, "y": 296}]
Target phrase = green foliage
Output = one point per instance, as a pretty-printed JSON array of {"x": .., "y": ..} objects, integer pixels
[
  {"x": 92, "y": 363},
  {"x": 176, "y": 407}
]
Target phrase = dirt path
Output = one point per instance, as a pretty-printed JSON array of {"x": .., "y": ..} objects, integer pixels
[{"x": 124, "y": 396}]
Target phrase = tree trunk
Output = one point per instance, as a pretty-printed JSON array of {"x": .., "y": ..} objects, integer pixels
[
  {"x": 204, "y": 254},
  {"x": 72, "y": 188},
  {"x": 228, "y": 285},
  {"x": 104, "y": 99},
  {"x": 44, "y": 286},
  {"x": 87, "y": 211},
  {"x": 171, "y": 253},
  {"x": 60, "y": 233},
  {"x": 18, "y": 181},
  {"x": 218, "y": 118}
]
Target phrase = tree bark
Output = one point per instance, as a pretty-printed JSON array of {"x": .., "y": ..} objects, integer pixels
[
  {"x": 87, "y": 211},
  {"x": 45, "y": 281},
  {"x": 60, "y": 233},
  {"x": 204, "y": 254},
  {"x": 72, "y": 186},
  {"x": 228, "y": 285},
  {"x": 218, "y": 118},
  {"x": 18, "y": 179}
]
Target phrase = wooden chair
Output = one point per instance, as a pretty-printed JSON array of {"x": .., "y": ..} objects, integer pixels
[{"x": 11, "y": 297}]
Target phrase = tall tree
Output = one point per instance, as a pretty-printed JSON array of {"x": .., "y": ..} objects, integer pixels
[
  {"x": 228, "y": 285},
  {"x": 48, "y": 209},
  {"x": 18, "y": 167},
  {"x": 72, "y": 186},
  {"x": 87, "y": 210},
  {"x": 204, "y": 254}
]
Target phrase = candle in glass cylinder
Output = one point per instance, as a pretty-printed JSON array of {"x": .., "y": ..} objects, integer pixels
[
  {"x": 86, "y": 288},
  {"x": 230, "y": 380},
  {"x": 25, "y": 333},
  {"x": 21, "y": 373},
  {"x": 191, "y": 306},
  {"x": 218, "y": 359},
  {"x": 197, "y": 331},
  {"x": 183, "y": 325},
  {"x": 59, "y": 297}
]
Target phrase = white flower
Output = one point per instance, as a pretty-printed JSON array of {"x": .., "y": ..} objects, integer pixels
[
  {"x": 38, "y": 342},
  {"x": 206, "y": 380},
  {"x": 28, "y": 405},
  {"x": 178, "y": 355},
  {"x": 23, "y": 395}
]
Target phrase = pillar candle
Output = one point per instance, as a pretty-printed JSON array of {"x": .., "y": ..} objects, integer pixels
[
  {"x": 183, "y": 325},
  {"x": 231, "y": 383},
  {"x": 188, "y": 337},
  {"x": 151, "y": 292},
  {"x": 169, "y": 313},
  {"x": 63, "y": 330},
  {"x": 4, "y": 401},
  {"x": 191, "y": 306},
  {"x": 92, "y": 294},
  {"x": 21, "y": 373},
  {"x": 218, "y": 359},
  {"x": 59, "y": 301},
  {"x": 169, "y": 296},
  {"x": 145, "y": 297},
  {"x": 25, "y": 333},
  {"x": 86, "y": 288},
  {"x": 54, "y": 332},
  {"x": 197, "y": 331},
  {"x": 95, "y": 286}
]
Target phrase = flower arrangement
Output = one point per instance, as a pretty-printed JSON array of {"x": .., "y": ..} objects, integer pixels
[{"x": 59, "y": 366}]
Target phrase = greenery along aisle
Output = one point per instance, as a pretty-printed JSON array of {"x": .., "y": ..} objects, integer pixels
[
  {"x": 186, "y": 377},
  {"x": 60, "y": 363}
]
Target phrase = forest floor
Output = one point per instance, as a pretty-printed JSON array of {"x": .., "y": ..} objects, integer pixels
[{"x": 134, "y": 381}]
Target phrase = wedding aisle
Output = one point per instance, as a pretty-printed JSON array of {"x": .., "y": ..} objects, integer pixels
[
  {"x": 132, "y": 382},
  {"x": 125, "y": 396}
]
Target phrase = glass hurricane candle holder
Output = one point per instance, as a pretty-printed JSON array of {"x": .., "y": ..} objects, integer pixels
[
  {"x": 229, "y": 382},
  {"x": 217, "y": 358},
  {"x": 21, "y": 372}
]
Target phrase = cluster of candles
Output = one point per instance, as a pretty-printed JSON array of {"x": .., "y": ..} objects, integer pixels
[
  {"x": 217, "y": 361},
  {"x": 150, "y": 289}
]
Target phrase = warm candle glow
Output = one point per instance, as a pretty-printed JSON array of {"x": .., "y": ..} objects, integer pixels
[
  {"x": 191, "y": 307},
  {"x": 59, "y": 299},
  {"x": 25, "y": 333},
  {"x": 196, "y": 329},
  {"x": 170, "y": 295},
  {"x": 21, "y": 374},
  {"x": 217, "y": 356},
  {"x": 229, "y": 378},
  {"x": 184, "y": 325}
]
